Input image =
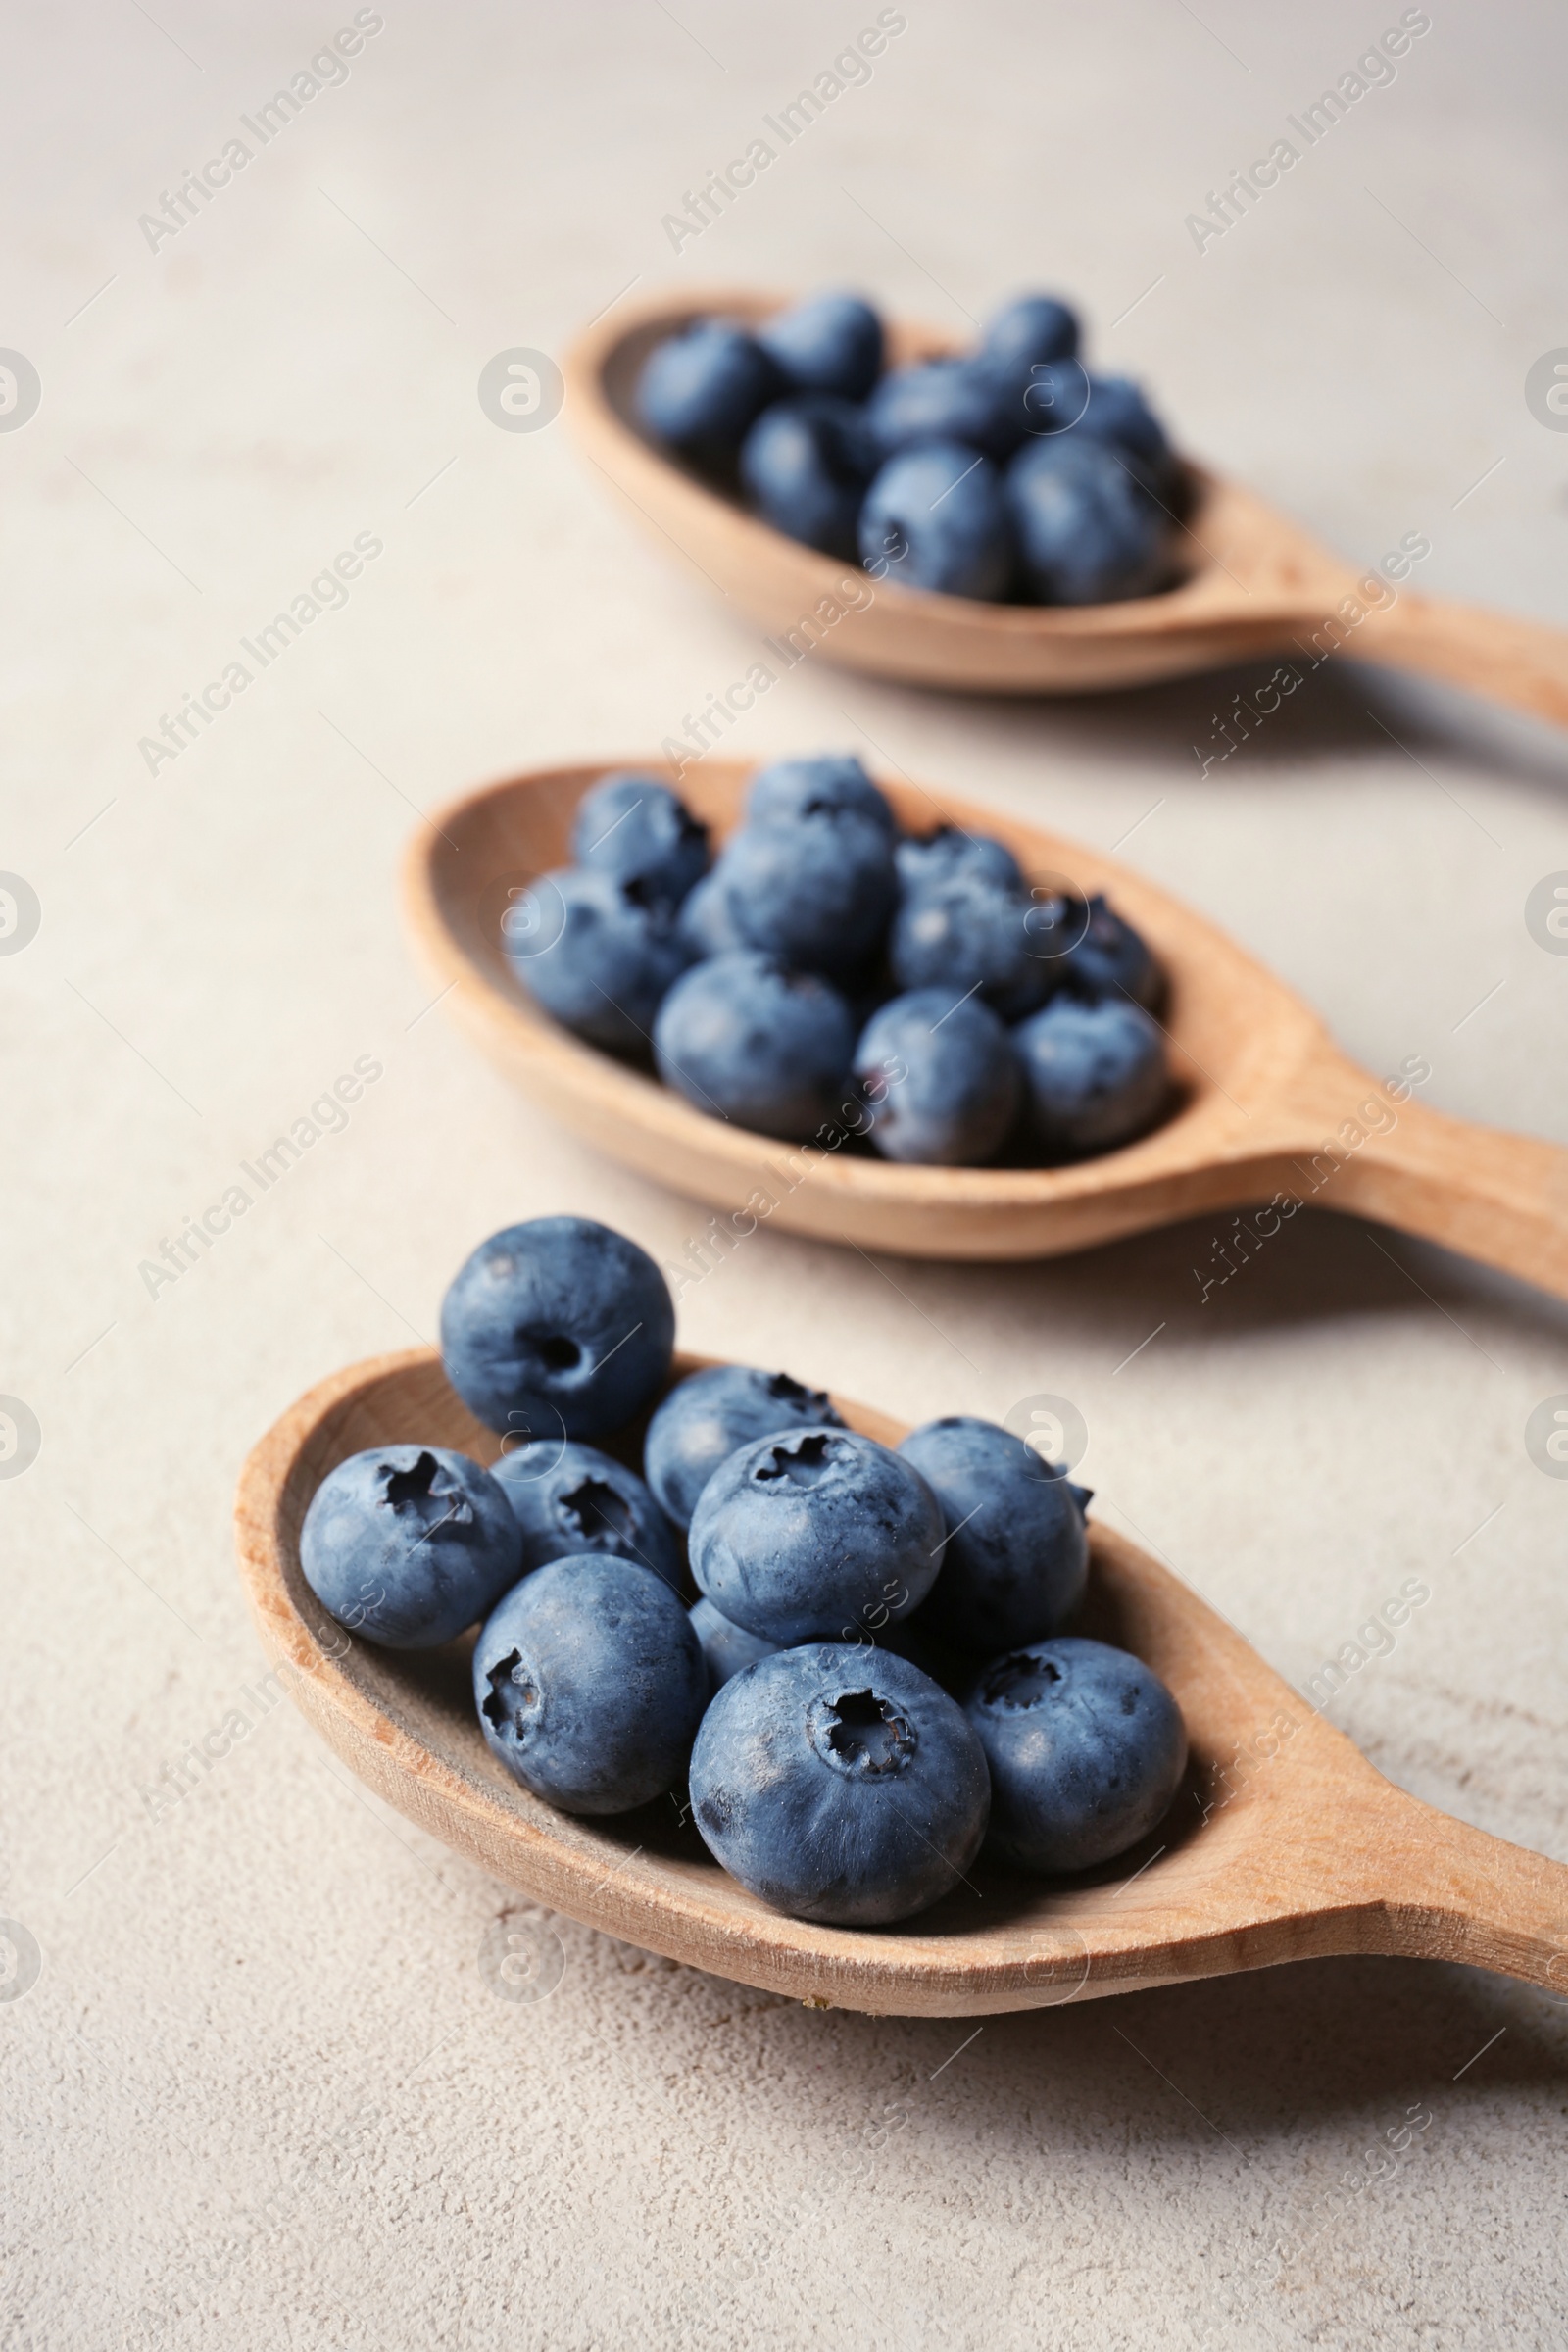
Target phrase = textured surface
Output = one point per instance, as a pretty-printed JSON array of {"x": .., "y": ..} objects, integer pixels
[{"x": 263, "y": 2089}]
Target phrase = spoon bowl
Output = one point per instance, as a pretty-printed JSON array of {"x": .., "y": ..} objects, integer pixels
[
  {"x": 1251, "y": 583},
  {"x": 1283, "y": 1843},
  {"x": 1267, "y": 1109}
]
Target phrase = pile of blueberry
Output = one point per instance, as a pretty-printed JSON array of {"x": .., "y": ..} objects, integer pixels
[
  {"x": 1011, "y": 474},
  {"x": 825, "y": 975},
  {"x": 873, "y": 1680}
]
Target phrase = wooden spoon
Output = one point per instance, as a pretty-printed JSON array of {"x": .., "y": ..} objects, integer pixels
[
  {"x": 1268, "y": 1104},
  {"x": 1283, "y": 1843},
  {"x": 1252, "y": 582}
]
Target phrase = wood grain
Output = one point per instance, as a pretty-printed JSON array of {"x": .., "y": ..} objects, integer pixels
[
  {"x": 1253, "y": 583},
  {"x": 1283, "y": 1843},
  {"x": 1267, "y": 1103}
]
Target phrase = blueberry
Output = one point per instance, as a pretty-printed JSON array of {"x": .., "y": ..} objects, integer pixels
[
  {"x": 817, "y": 894},
  {"x": 603, "y": 962},
  {"x": 705, "y": 1417},
  {"x": 1052, "y": 399},
  {"x": 1030, "y": 354},
  {"x": 570, "y": 1498},
  {"x": 558, "y": 1328},
  {"x": 941, "y": 400},
  {"x": 936, "y": 517},
  {"x": 814, "y": 1533},
  {"x": 1086, "y": 532},
  {"x": 1017, "y": 1556},
  {"x": 832, "y": 785},
  {"x": 638, "y": 830},
  {"x": 1031, "y": 329},
  {"x": 839, "y": 1785},
  {"x": 590, "y": 1684},
  {"x": 706, "y": 924},
  {"x": 746, "y": 1039},
  {"x": 940, "y": 1077},
  {"x": 1086, "y": 1748},
  {"x": 408, "y": 1544},
  {"x": 828, "y": 343},
  {"x": 704, "y": 389},
  {"x": 1117, "y": 413},
  {"x": 726, "y": 1647},
  {"x": 806, "y": 465},
  {"x": 949, "y": 851},
  {"x": 1112, "y": 959},
  {"x": 967, "y": 934},
  {"x": 1095, "y": 1075}
]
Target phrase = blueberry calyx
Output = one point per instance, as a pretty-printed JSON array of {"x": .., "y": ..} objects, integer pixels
[
  {"x": 516, "y": 1703},
  {"x": 413, "y": 1484},
  {"x": 804, "y": 1461},
  {"x": 1020, "y": 1681},
  {"x": 861, "y": 1736},
  {"x": 555, "y": 1353},
  {"x": 422, "y": 1483},
  {"x": 596, "y": 1510}
]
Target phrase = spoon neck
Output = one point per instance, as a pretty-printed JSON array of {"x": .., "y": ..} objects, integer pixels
[
  {"x": 1453, "y": 1892},
  {"x": 1504, "y": 655},
  {"x": 1383, "y": 1152}
]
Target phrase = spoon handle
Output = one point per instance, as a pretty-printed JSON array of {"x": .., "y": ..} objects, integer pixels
[
  {"x": 1500, "y": 1198},
  {"x": 1453, "y": 1892},
  {"x": 1501, "y": 654}
]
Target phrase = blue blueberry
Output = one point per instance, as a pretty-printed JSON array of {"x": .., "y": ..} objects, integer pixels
[
  {"x": 706, "y": 924},
  {"x": 595, "y": 955},
  {"x": 806, "y": 465},
  {"x": 828, "y": 343},
  {"x": 936, "y": 517},
  {"x": 1086, "y": 532},
  {"x": 558, "y": 1328},
  {"x": 726, "y": 1647},
  {"x": 1030, "y": 353},
  {"x": 590, "y": 1684},
  {"x": 967, "y": 934},
  {"x": 707, "y": 1416},
  {"x": 746, "y": 1039},
  {"x": 408, "y": 1544},
  {"x": 817, "y": 894},
  {"x": 1052, "y": 399},
  {"x": 816, "y": 1533},
  {"x": 1055, "y": 923},
  {"x": 949, "y": 851},
  {"x": 1086, "y": 1748},
  {"x": 1095, "y": 1075},
  {"x": 1111, "y": 960},
  {"x": 638, "y": 830},
  {"x": 704, "y": 389},
  {"x": 839, "y": 1785},
  {"x": 832, "y": 785},
  {"x": 1118, "y": 413},
  {"x": 940, "y": 1078},
  {"x": 1028, "y": 331},
  {"x": 570, "y": 1499},
  {"x": 1018, "y": 1554},
  {"x": 941, "y": 400}
]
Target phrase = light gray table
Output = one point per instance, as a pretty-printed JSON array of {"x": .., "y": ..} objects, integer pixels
[{"x": 261, "y": 2090}]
